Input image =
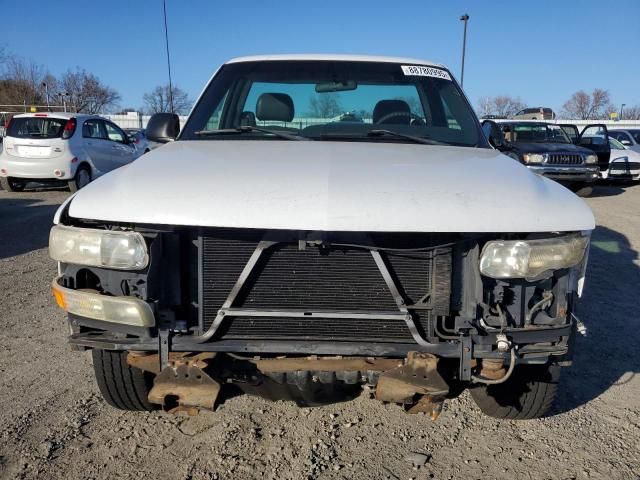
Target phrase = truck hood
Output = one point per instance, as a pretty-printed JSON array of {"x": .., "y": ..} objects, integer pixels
[{"x": 332, "y": 186}]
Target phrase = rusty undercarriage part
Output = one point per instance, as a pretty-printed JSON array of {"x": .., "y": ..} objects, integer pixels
[
  {"x": 417, "y": 377},
  {"x": 493, "y": 372},
  {"x": 492, "y": 369},
  {"x": 320, "y": 364},
  {"x": 183, "y": 386}
]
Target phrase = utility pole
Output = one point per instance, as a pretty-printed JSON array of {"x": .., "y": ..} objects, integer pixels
[
  {"x": 464, "y": 18},
  {"x": 166, "y": 41},
  {"x": 621, "y": 107}
]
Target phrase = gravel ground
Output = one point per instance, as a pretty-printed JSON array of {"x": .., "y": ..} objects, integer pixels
[{"x": 54, "y": 424}]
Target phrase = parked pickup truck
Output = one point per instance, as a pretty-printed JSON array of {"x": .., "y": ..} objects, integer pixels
[
  {"x": 264, "y": 252},
  {"x": 558, "y": 152}
]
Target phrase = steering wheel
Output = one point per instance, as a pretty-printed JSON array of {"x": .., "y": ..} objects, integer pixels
[{"x": 410, "y": 115}]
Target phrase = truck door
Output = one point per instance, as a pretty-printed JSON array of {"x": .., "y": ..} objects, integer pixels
[{"x": 596, "y": 138}]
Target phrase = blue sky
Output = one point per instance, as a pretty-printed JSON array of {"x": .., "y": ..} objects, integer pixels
[{"x": 542, "y": 51}]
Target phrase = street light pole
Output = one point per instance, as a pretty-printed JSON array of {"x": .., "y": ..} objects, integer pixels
[
  {"x": 166, "y": 40},
  {"x": 465, "y": 19},
  {"x": 621, "y": 107},
  {"x": 46, "y": 89}
]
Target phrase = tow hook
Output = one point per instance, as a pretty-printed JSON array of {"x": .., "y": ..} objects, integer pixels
[{"x": 182, "y": 386}]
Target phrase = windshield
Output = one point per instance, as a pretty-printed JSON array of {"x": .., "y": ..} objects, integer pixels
[
  {"x": 635, "y": 134},
  {"x": 36, "y": 127},
  {"x": 535, "y": 133},
  {"x": 340, "y": 101}
]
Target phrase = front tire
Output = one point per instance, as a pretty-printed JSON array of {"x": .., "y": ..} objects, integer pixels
[
  {"x": 121, "y": 385},
  {"x": 81, "y": 179},
  {"x": 11, "y": 185},
  {"x": 528, "y": 394}
]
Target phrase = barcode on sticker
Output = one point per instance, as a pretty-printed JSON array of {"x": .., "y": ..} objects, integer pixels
[{"x": 421, "y": 71}]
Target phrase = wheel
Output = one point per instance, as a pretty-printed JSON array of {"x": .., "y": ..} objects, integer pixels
[
  {"x": 581, "y": 189},
  {"x": 121, "y": 385},
  {"x": 529, "y": 393},
  {"x": 80, "y": 180},
  {"x": 11, "y": 185}
]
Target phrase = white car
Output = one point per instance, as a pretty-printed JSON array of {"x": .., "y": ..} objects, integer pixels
[
  {"x": 59, "y": 148},
  {"x": 298, "y": 259},
  {"x": 624, "y": 163}
]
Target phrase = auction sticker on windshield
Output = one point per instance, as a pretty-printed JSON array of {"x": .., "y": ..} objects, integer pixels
[{"x": 422, "y": 71}]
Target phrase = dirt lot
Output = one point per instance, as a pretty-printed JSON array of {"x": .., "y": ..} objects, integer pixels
[{"x": 54, "y": 425}]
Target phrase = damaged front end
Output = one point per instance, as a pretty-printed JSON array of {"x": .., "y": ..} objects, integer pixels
[{"x": 315, "y": 316}]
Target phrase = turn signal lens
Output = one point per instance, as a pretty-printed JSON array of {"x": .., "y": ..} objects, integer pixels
[{"x": 123, "y": 310}]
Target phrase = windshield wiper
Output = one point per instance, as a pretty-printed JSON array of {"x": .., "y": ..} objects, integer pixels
[
  {"x": 391, "y": 133},
  {"x": 250, "y": 128}
]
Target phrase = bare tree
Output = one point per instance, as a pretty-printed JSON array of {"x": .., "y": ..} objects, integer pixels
[
  {"x": 631, "y": 113},
  {"x": 158, "y": 100},
  {"x": 22, "y": 82},
  {"x": 485, "y": 106},
  {"x": 325, "y": 105},
  {"x": 501, "y": 105},
  {"x": 86, "y": 93},
  {"x": 583, "y": 106}
]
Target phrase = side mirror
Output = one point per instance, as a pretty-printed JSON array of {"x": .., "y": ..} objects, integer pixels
[
  {"x": 163, "y": 127},
  {"x": 494, "y": 134},
  {"x": 498, "y": 142},
  {"x": 626, "y": 143}
]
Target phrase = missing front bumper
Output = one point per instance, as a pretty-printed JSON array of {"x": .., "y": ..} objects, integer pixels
[{"x": 192, "y": 382}]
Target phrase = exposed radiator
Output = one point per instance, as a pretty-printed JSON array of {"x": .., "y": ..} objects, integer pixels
[{"x": 320, "y": 279}]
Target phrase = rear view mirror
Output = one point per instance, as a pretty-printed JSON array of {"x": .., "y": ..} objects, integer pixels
[
  {"x": 340, "y": 86},
  {"x": 163, "y": 127}
]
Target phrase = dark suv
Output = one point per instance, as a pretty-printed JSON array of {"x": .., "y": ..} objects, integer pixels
[{"x": 554, "y": 151}]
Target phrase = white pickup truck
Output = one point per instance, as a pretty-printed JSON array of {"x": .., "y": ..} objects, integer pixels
[{"x": 272, "y": 249}]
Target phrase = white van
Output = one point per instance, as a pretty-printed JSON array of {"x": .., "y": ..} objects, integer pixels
[{"x": 55, "y": 148}]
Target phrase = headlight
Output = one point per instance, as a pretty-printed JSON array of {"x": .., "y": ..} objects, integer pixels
[
  {"x": 533, "y": 158},
  {"x": 530, "y": 258},
  {"x": 591, "y": 159},
  {"x": 99, "y": 248}
]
